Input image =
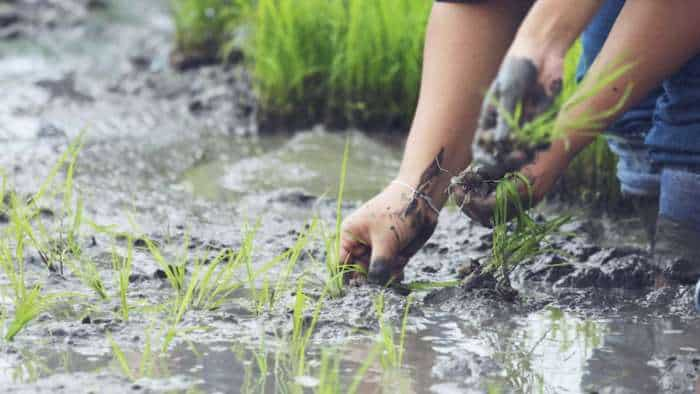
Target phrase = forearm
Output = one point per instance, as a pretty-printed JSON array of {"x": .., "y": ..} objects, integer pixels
[
  {"x": 464, "y": 46},
  {"x": 669, "y": 38},
  {"x": 552, "y": 26}
]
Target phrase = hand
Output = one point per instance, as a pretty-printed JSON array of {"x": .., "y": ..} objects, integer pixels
[
  {"x": 474, "y": 189},
  {"x": 532, "y": 81},
  {"x": 383, "y": 234}
]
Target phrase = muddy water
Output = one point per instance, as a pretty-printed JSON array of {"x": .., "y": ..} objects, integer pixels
[{"x": 175, "y": 152}]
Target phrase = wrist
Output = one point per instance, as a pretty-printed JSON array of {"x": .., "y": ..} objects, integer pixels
[{"x": 433, "y": 193}]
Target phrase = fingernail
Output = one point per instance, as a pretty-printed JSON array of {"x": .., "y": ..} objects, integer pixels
[{"x": 379, "y": 272}]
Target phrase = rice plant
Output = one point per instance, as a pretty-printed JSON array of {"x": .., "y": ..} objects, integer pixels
[
  {"x": 592, "y": 175},
  {"x": 337, "y": 270},
  {"x": 291, "y": 258},
  {"x": 512, "y": 246},
  {"x": 215, "y": 285},
  {"x": 122, "y": 270},
  {"x": 391, "y": 357},
  {"x": 27, "y": 307},
  {"x": 147, "y": 358},
  {"x": 302, "y": 330},
  {"x": 204, "y": 27},
  {"x": 355, "y": 59},
  {"x": 28, "y": 300}
]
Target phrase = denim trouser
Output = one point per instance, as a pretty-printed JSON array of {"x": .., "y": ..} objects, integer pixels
[{"x": 660, "y": 132}]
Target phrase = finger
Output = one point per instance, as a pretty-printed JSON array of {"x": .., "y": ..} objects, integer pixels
[
  {"x": 354, "y": 252},
  {"x": 384, "y": 259},
  {"x": 489, "y": 112}
]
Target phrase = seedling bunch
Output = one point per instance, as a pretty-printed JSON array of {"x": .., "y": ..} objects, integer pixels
[{"x": 516, "y": 243}]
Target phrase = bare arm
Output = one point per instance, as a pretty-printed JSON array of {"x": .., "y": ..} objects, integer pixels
[
  {"x": 531, "y": 73},
  {"x": 657, "y": 39},
  {"x": 465, "y": 43}
]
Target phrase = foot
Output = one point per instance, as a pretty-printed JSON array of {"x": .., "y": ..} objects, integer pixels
[{"x": 677, "y": 253}]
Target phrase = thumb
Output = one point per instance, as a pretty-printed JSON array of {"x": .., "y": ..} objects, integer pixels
[{"x": 384, "y": 261}]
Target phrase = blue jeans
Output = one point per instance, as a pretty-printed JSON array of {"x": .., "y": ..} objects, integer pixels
[{"x": 663, "y": 130}]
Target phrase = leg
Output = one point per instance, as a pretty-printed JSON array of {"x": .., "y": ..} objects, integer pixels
[
  {"x": 465, "y": 44},
  {"x": 675, "y": 145},
  {"x": 639, "y": 179},
  {"x": 666, "y": 49}
]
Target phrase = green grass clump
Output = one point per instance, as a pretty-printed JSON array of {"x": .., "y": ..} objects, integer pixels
[
  {"x": 513, "y": 245},
  {"x": 356, "y": 60},
  {"x": 146, "y": 361},
  {"x": 122, "y": 271},
  {"x": 203, "y": 27}
]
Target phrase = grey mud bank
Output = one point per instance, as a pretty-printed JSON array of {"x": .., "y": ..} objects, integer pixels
[{"x": 180, "y": 154}]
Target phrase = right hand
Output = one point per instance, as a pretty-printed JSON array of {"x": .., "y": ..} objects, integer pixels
[{"x": 385, "y": 232}]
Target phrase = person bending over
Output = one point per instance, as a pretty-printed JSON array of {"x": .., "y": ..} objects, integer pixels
[{"x": 515, "y": 49}]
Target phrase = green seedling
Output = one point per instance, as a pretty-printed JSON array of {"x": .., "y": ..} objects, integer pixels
[
  {"x": 356, "y": 59},
  {"x": 291, "y": 258},
  {"x": 27, "y": 307},
  {"x": 302, "y": 329},
  {"x": 122, "y": 270},
  {"x": 147, "y": 357},
  {"x": 512, "y": 247},
  {"x": 205, "y": 27},
  {"x": 218, "y": 282},
  {"x": 391, "y": 357}
]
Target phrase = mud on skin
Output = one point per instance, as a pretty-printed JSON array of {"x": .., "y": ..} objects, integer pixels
[
  {"x": 497, "y": 149},
  {"x": 137, "y": 173},
  {"x": 421, "y": 216}
]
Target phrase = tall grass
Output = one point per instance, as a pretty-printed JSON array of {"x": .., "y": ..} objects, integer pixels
[
  {"x": 204, "y": 27},
  {"x": 357, "y": 60}
]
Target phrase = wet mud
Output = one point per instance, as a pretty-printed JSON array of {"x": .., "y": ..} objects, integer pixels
[{"x": 176, "y": 157}]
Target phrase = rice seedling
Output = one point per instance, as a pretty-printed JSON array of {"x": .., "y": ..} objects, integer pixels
[
  {"x": 292, "y": 257},
  {"x": 391, "y": 357},
  {"x": 592, "y": 175},
  {"x": 204, "y": 27},
  {"x": 147, "y": 358},
  {"x": 337, "y": 270},
  {"x": 28, "y": 302},
  {"x": 356, "y": 59},
  {"x": 513, "y": 246},
  {"x": 302, "y": 329},
  {"x": 122, "y": 270},
  {"x": 174, "y": 273},
  {"x": 216, "y": 284},
  {"x": 27, "y": 307}
]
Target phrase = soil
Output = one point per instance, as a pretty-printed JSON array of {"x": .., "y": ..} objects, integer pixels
[{"x": 180, "y": 153}]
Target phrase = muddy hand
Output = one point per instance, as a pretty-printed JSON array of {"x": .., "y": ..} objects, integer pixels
[
  {"x": 519, "y": 81},
  {"x": 383, "y": 234},
  {"x": 474, "y": 189}
]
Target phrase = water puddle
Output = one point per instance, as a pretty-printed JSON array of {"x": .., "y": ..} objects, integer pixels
[{"x": 308, "y": 161}]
